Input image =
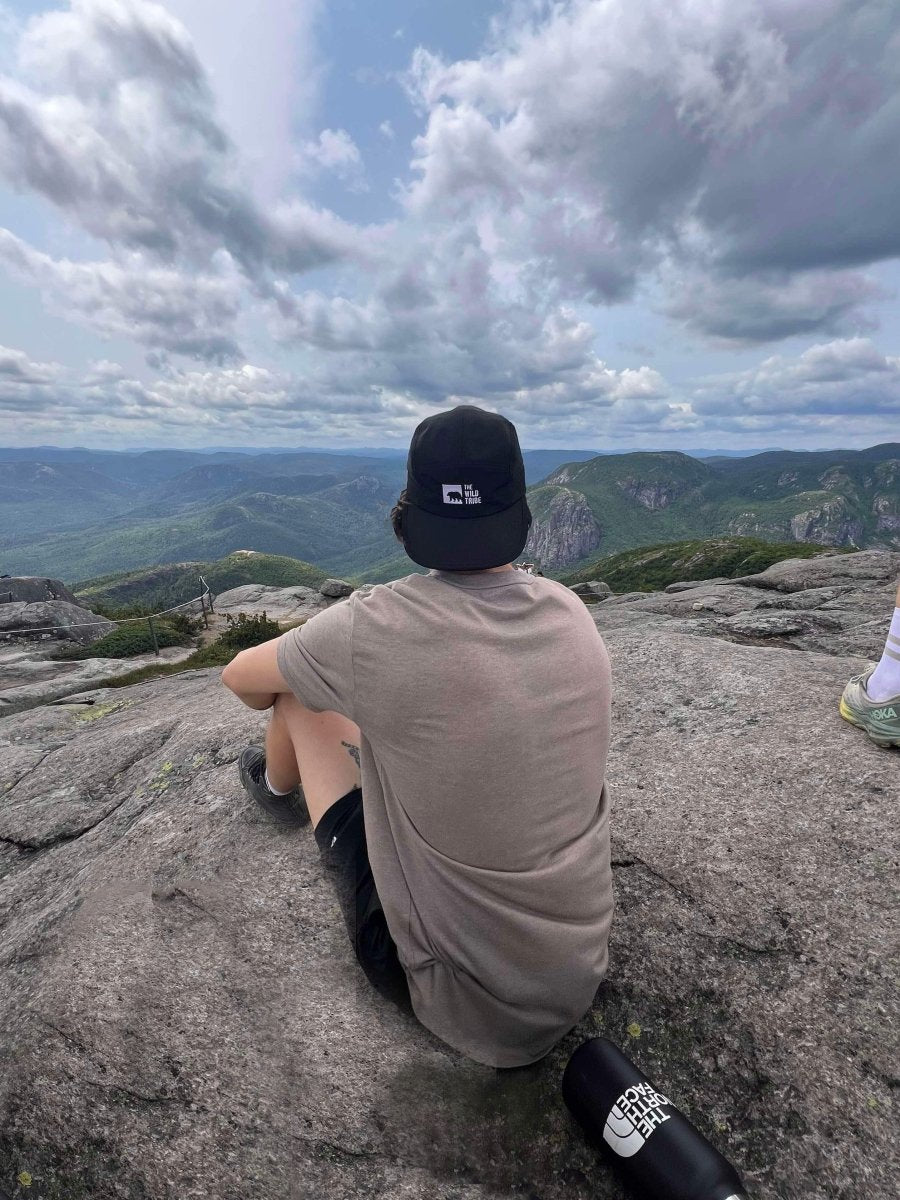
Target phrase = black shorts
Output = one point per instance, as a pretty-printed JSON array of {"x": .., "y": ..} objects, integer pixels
[{"x": 341, "y": 838}]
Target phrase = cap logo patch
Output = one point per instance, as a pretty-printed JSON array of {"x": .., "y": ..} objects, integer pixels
[{"x": 460, "y": 493}]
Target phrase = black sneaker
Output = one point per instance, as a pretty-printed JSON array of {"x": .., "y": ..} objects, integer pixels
[{"x": 290, "y": 809}]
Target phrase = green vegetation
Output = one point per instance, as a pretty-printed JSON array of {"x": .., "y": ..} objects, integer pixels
[
  {"x": 243, "y": 631},
  {"x": 396, "y": 567},
  {"x": 649, "y": 499},
  {"x": 125, "y": 641},
  {"x": 312, "y": 528},
  {"x": 338, "y": 520},
  {"x": 652, "y": 568},
  {"x": 153, "y": 588}
]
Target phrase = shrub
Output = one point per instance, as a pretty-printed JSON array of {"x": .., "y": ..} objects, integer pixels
[
  {"x": 183, "y": 622},
  {"x": 127, "y": 640},
  {"x": 244, "y": 631},
  {"x": 119, "y": 612}
]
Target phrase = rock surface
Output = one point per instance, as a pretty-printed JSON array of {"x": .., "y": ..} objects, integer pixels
[
  {"x": 279, "y": 604},
  {"x": 335, "y": 588},
  {"x": 29, "y": 678},
  {"x": 593, "y": 587},
  {"x": 43, "y": 620},
  {"x": 565, "y": 533},
  {"x": 29, "y": 588},
  {"x": 837, "y": 604},
  {"x": 181, "y": 1014}
]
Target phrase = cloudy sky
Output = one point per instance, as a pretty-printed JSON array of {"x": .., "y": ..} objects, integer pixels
[{"x": 621, "y": 223}]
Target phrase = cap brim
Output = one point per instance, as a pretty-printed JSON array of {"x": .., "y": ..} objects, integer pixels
[{"x": 466, "y": 543}]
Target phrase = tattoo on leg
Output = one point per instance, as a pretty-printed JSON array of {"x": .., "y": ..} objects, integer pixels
[{"x": 352, "y": 750}]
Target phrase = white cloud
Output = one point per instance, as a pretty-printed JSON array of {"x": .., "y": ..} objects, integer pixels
[
  {"x": 336, "y": 151},
  {"x": 112, "y": 120},
  {"x": 836, "y": 384},
  {"x": 767, "y": 306},
  {"x": 185, "y": 313},
  {"x": 756, "y": 133},
  {"x": 266, "y": 76},
  {"x": 736, "y": 154},
  {"x": 836, "y": 393},
  {"x": 17, "y": 368}
]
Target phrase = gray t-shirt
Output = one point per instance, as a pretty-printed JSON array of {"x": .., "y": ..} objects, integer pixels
[{"x": 483, "y": 702}]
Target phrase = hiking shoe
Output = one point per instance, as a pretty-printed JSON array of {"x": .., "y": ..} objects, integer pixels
[
  {"x": 290, "y": 809},
  {"x": 879, "y": 718}
]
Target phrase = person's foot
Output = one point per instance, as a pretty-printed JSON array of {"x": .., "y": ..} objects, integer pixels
[
  {"x": 290, "y": 809},
  {"x": 879, "y": 718}
]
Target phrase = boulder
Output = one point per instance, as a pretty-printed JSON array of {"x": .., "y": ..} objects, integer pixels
[
  {"x": 335, "y": 588},
  {"x": 279, "y": 604},
  {"x": 43, "y": 620},
  {"x": 181, "y": 1013},
  {"x": 593, "y": 588},
  {"x": 29, "y": 588}
]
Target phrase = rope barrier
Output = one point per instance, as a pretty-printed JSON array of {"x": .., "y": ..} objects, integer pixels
[{"x": 204, "y": 595}]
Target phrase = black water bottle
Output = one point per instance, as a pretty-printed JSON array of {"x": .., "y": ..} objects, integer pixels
[{"x": 655, "y": 1147}]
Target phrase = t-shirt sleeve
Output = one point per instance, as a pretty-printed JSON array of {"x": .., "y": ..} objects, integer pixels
[{"x": 316, "y": 660}]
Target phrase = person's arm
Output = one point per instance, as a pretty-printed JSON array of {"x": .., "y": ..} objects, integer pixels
[
  {"x": 254, "y": 677},
  {"x": 313, "y": 661}
]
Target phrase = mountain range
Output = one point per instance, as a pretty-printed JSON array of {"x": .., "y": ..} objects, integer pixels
[{"x": 76, "y": 514}]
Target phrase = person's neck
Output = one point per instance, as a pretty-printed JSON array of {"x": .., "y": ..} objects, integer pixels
[{"x": 484, "y": 571}]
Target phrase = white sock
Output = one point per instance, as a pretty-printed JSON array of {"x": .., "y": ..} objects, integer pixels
[
  {"x": 275, "y": 791},
  {"x": 884, "y": 682}
]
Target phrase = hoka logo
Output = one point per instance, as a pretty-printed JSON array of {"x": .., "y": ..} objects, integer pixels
[{"x": 882, "y": 714}]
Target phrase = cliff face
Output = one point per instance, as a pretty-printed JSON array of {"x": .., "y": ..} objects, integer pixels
[
  {"x": 654, "y": 496},
  {"x": 647, "y": 499},
  {"x": 565, "y": 531},
  {"x": 181, "y": 1013},
  {"x": 829, "y": 524}
]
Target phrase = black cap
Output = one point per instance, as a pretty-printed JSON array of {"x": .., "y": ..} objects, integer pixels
[{"x": 465, "y": 491}]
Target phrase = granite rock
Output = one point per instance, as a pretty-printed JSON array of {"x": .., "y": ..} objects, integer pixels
[
  {"x": 181, "y": 1014},
  {"x": 566, "y": 532},
  {"x": 865, "y": 567},
  {"x": 279, "y": 604},
  {"x": 30, "y": 588},
  {"x": 594, "y": 587},
  {"x": 28, "y": 677},
  {"x": 335, "y": 588},
  {"x": 837, "y": 604},
  {"x": 44, "y": 620},
  {"x": 687, "y": 584}
]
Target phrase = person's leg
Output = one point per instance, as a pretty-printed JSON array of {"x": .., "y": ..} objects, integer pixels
[
  {"x": 884, "y": 682},
  {"x": 319, "y": 749},
  {"x": 341, "y": 838},
  {"x": 872, "y": 700}
]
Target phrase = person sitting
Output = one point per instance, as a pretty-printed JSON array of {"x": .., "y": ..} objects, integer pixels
[{"x": 447, "y": 735}]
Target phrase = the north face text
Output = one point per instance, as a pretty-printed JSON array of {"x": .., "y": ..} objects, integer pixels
[{"x": 460, "y": 493}]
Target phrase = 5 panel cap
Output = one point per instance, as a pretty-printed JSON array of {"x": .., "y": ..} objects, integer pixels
[{"x": 465, "y": 492}]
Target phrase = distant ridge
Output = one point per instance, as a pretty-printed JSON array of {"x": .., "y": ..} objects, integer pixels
[{"x": 97, "y": 512}]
